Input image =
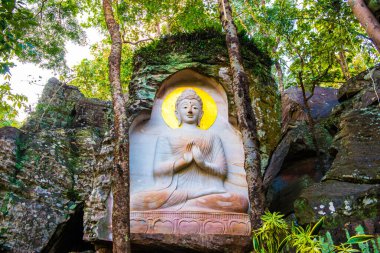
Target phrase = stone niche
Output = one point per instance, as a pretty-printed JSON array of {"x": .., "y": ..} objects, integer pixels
[
  {"x": 204, "y": 196},
  {"x": 209, "y": 200},
  {"x": 173, "y": 211}
]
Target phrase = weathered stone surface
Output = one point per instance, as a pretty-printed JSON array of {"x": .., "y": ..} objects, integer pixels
[
  {"x": 46, "y": 172},
  {"x": 359, "y": 83},
  {"x": 358, "y": 147},
  {"x": 294, "y": 166},
  {"x": 8, "y": 153},
  {"x": 96, "y": 215},
  {"x": 192, "y": 243},
  {"x": 348, "y": 133},
  {"x": 349, "y": 193},
  {"x": 9, "y": 133},
  {"x": 295, "y": 141},
  {"x": 293, "y": 110},
  {"x": 340, "y": 202},
  {"x": 91, "y": 113}
]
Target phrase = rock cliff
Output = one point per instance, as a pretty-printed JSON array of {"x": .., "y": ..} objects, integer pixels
[
  {"x": 45, "y": 171},
  {"x": 54, "y": 172},
  {"x": 55, "y": 179},
  {"x": 343, "y": 184}
]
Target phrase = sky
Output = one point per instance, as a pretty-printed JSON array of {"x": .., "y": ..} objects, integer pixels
[{"x": 28, "y": 79}]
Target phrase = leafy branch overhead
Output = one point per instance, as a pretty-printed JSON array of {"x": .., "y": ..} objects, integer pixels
[
  {"x": 325, "y": 34},
  {"x": 321, "y": 39},
  {"x": 36, "y": 32}
]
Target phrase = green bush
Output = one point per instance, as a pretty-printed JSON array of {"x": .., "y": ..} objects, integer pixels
[{"x": 277, "y": 236}]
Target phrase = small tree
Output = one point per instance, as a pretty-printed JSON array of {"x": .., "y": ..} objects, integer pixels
[
  {"x": 120, "y": 174},
  {"x": 246, "y": 116}
]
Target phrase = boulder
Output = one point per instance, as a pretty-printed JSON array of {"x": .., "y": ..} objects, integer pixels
[
  {"x": 46, "y": 171},
  {"x": 294, "y": 166},
  {"x": 357, "y": 147},
  {"x": 361, "y": 83},
  {"x": 340, "y": 203},
  {"x": 293, "y": 110},
  {"x": 348, "y": 195}
]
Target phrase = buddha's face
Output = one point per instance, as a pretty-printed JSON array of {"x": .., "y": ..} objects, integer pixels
[{"x": 189, "y": 111}]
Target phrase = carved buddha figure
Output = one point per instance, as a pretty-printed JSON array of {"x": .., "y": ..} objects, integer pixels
[{"x": 189, "y": 167}]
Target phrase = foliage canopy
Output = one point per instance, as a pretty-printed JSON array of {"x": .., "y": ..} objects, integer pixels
[
  {"x": 319, "y": 40},
  {"x": 34, "y": 31}
]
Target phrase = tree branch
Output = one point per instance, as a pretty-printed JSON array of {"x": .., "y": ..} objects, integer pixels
[
  {"x": 137, "y": 42},
  {"x": 41, "y": 9}
]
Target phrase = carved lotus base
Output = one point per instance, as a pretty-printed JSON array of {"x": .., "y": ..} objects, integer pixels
[{"x": 177, "y": 223}]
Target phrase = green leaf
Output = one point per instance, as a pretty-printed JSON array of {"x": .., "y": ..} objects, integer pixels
[
  {"x": 72, "y": 207},
  {"x": 255, "y": 243},
  {"x": 317, "y": 227},
  {"x": 359, "y": 239},
  {"x": 282, "y": 245}
]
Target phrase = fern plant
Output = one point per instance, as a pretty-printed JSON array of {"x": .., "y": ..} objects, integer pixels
[
  {"x": 305, "y": 240},
  {"x": 275, "y": 236},
  {"x": 271, "y": 236}
]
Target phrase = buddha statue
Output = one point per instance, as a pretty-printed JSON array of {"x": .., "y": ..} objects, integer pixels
[{"x": 190, "y": 167}]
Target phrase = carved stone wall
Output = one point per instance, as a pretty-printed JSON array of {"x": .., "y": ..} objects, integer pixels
[
  {"x": 199, "y": 60},
  {"x": 157, "y": 222}
]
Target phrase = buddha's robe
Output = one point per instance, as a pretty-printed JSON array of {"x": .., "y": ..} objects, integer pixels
[{"x": 193, "y": 187}]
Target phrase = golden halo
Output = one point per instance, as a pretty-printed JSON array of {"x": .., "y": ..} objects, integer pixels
[{"x": 210, "y": 110}]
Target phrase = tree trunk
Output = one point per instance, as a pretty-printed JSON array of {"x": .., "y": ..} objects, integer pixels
[
  {"x": 277, "y": 64},
  {"x": 280, "y": 76},
  {"x": 120, "y": 174},
  {"x": 310, "y": 120},
  {"x": 341, "y": 58},
  {"x": 367, "y": 20},
  {"x": 246, "y": 117}
]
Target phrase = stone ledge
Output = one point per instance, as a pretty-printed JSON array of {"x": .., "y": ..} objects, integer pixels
[
  {"x": 191, "y": 242},
  {"x": 168, "y": 222}
]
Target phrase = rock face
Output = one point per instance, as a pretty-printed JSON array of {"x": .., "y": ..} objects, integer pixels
[
  {"x": 344, "y": 184},
  {"x": 55, "y": 171},
  {"x": 353, "y": 180},
  {"x": 321, "y": 104},
  {"x": 173, "y": 60},
  {"x": 293, "y": 165},
  {"x": 349, "y": 192},
  {"x": 45, "y": 170},
  {"x": 358, "y": 147},
  {"x": 291, "y": 169},
  {"x": 342, "y": 203}
]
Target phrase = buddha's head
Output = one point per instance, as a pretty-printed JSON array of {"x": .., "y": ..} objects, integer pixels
[{"x": 189, "y": 108}]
